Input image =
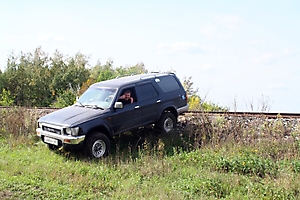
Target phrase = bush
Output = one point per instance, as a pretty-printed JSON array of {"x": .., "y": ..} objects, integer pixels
[
  {"x": 246, "y": 163},
  {"x": 6, "y": 99},
  {"x": 64, "y": 99}
]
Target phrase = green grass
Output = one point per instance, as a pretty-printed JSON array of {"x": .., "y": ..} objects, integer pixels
[
  {"x": 228, "y": 172},
  {"x": 209, "y": 159}
]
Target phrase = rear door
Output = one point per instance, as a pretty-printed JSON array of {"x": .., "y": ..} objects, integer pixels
[
  {"x": 172, "y": 90},
  {"x": 149, "y": 101}
]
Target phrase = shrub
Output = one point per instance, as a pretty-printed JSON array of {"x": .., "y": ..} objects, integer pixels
[{"x": 246, "y": 163}]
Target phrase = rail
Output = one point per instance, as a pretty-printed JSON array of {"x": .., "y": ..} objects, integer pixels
[{"x": 249, "y": 114}]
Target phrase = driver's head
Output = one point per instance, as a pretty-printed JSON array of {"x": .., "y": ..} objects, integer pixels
[{"x": 127, "y": 94}]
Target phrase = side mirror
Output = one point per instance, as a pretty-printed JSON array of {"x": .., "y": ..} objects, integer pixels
[{"x": 118, "y": 105}]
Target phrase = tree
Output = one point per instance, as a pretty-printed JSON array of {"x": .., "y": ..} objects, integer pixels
[
  {"x": 26, "y": 78},
  {"x": 1, "y": 81},
  {"x": 194, "y": 103},
  {"x": 136, "y": 69},
  {"x": 34, "y": 79},
  {"x": 106, "y": 72},
  {"x": 188, "y": 86},
  {"x": 6, "y": 99},
  {"x": 71, "y": 72},
  {"x": 64, "y": 98}
]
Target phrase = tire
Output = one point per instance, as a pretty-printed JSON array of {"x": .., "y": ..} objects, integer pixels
[
  {"x": 167, "y": 123},
  {"x": 97, "y": 145}
]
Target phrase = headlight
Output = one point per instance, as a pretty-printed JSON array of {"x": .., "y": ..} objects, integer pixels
[{"x": 72, "y": 131}]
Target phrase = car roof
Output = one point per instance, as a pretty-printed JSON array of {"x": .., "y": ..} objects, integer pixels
[{"x": 117, "y": 82}]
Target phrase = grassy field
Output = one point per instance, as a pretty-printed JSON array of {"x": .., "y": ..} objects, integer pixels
[{"x": 207, "y": 159}]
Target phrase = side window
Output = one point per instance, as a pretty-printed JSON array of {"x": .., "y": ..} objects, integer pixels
[
  {"x": 147, "y": 91},
  {"x": 167, "y": 83},
  {"x": 127, "y": 96}
]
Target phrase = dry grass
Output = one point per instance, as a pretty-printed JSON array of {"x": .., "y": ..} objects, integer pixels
[{"x": 206, "y": 158}]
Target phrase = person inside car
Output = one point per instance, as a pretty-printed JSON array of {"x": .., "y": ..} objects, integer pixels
[{"x": 126, "y": 97}]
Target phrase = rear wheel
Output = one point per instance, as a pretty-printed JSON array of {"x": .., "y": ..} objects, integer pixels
[
  {"x": 97, "y": 145},
  {"x": 166, "y": 123}
]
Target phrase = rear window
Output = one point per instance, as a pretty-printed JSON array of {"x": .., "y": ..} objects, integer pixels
[
  {"x": 167, "y": 83},
  {"x": 147, "y": 91}
]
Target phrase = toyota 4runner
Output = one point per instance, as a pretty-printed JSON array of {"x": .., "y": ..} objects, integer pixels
[{"x": 112, "y": 107}]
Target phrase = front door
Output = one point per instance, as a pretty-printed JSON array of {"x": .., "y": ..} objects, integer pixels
[{"x": 129, "y": 116}]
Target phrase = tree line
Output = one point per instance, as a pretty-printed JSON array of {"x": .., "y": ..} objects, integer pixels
[{"x": 39, "y": 80}]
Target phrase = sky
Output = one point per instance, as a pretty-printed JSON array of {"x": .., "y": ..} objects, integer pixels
[{"x": 243, "y": 55}]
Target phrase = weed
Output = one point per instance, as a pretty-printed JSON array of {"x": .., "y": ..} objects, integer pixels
[{"x": 206, "y": 158}]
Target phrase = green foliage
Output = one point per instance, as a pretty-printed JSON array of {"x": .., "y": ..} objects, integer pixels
[
  {"x": 247, "y": 163},
  {"x": 65, "y": 98},
  {"x": 194, "y": 103},
  {"x": 188, "y": 85},
  {"x": 71, "y": 72},
  {"x": 27, "y": 78},
  {"x": 106, "y": 72},
  {"x": 212, "y": 107},
  {"x": 6, "y": 99},
  {"x": 296, "y": 166},
  {"x": 37, "y": 79},
  {"x": 1, "y": 81}
]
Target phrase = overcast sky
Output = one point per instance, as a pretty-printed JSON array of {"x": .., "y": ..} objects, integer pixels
[{"x": 240, "y": 54}]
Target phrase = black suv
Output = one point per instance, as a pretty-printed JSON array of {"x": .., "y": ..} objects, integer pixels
[{"x": 111, "y": 107}]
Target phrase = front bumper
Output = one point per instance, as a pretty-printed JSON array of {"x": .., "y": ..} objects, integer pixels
[{"x": 64, "y": 139}]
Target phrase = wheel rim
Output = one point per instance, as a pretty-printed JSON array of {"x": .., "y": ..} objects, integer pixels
[
  {"x": 168, "y": 124},
  {"x": 99, "y": 148}
]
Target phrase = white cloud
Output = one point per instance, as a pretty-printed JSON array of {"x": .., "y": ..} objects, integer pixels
[
  {"x": 230, "y": 21},
  {"x": 257, "y": 42},
  {"x": 265, "y": 58},
  {"x": 211, "y": 32},
  {"x": 208, "y": 31},
  {"x": 277, "y": 86},
  {"x": 286, "y": 51},
  {"x": 206, "y": 66},
  {"x": 179, "y": 47},
  {"x": 51, "y": 38},
  {"x": 221, "y": 27},
  {"x": 183, "y": 46}
]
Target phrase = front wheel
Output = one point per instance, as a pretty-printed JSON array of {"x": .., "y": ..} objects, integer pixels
[
  {"x": 97, "y": 145},
  {"x": 166, "y": 123}
]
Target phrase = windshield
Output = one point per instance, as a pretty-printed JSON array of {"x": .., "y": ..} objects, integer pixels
[{"x": 97, "y": 97}]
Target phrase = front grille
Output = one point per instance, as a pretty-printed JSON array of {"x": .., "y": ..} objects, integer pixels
[{"x": 52, "y": 130}]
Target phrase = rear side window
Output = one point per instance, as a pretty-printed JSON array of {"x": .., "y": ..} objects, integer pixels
[
  {"x": 147, "y": 91},
  {"x": 167, "y": 83}
]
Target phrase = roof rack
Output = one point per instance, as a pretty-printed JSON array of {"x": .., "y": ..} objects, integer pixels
[{"x": 123, "y": 75}]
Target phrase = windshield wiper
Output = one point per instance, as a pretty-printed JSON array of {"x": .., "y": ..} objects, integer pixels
[
  {"x": 94, "y": 106},
  {"x": 80, "y": 104}
]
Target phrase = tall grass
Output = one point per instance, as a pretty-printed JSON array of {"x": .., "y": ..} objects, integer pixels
[{"x": 206, "y": 158}]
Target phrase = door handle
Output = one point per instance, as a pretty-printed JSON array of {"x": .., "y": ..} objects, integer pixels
[
  {"x": 158, "y": 101},
  {"x": 136, "y": 107}
]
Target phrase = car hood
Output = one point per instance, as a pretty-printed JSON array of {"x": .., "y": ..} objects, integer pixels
[{"x": 71, "y": 115}]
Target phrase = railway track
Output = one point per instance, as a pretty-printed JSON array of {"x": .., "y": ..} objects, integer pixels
[{"x": 270, "y": 115}]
